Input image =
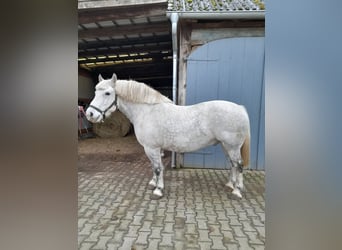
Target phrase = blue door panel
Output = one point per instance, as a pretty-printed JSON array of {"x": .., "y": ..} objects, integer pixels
[{"x": 229, "y": 69}]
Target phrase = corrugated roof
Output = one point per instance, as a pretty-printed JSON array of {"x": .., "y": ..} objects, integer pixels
[{"x": 215, "y": 5}]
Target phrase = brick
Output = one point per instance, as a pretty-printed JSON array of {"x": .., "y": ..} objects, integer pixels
[
  {"x": 257, "y": 222},
  {"x": 237, "y": 231},
  {"x": 127, "y": 243},
  {"x": 205, "y": 245},
  {"x": 179, "y": 234},
  {"x": 221, "y": 215},
  {"x": 224, "y": 225},
  {"x": 247, "y": 227},
  {"x": 142, "y": 238},
  {"x": 94, "y": 236},
  {"x": 161, "y": 212},
  {"x": 261, "y": 232},
  {"x": 212, "y": 219},
  {"x": 137, "y": 220},
  {"x": 118, "y": 237},
  {"x": 101, "y": 244},
  {"x": 146, "y": 227},
  {"x": 179, "y": 213},
  {"x": 168, "y": 227},
  {"x": 169, "y": 217},
  {"x": 158, "y": 221},
  {"x": 86, "y": 245},
  {"x": 243, "y": 243},
  {"x": 191, "y": 241},
  {"x": 191, "y": 228},
  {"x": 234, "y": 221},
  {"x": 110, "y": 230},
  {"x": 80, "y": 239},
  {"x": 242, "y": 216},
  {"x": 123, "y": 225},
  {"x": 232, "y": 246},
  {"x": 253, "y": 238},
  {"x": 178, "y": 244},
  {"x": 179, "y": 222},
  {"x": 217, "y": 242},
  {"x": 214, "y": 230},
  {"x": 133, "y": 231},
  {"x": 202, "y": 224},
  {"x": 166, "y": 240},
  {"x": 156, "y": 233},
  {"x": 258, "y": 247},
  {"x": 204, "y": 235},
  {"x": 153, "y": 244},
  {"x": 81, "y": 222},
  {"x": 200, "y": 215},
  {"x": 228, "y": 237}
]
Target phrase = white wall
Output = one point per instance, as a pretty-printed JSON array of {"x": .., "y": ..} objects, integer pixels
[{"x": 86, "y": 87}]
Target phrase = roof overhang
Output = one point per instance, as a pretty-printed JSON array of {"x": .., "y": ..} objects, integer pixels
[{"x": 210, "y": 15}]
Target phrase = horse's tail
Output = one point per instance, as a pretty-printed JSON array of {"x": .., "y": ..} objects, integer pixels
[{"x": 245, "y": 151}]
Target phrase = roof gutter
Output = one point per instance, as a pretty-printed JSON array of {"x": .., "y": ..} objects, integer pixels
[{"x": 249, "y": 15}]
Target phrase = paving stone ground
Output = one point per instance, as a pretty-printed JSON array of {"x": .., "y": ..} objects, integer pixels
[{"x": 115, "y": 209}]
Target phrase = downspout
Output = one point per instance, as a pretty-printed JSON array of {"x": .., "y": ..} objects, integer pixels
[{"x": 174, "y": 21}]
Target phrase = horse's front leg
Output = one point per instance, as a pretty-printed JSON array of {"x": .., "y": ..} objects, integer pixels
[
  {"x": 238, "y": 185},
  {"x": 158, "y": 169},
  {"x": 153, "y": 182}
]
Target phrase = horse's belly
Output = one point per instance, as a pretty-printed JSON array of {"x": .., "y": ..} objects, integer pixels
[{"x": 187, "y": 142}]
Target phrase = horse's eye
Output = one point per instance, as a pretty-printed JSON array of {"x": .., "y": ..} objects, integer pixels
[{"x": 107, "y": 93}]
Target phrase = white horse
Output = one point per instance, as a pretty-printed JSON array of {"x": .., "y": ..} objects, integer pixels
[{"x": 161, "y": 125}]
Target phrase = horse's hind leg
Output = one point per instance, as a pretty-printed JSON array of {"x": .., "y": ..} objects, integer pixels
[
  {"x": 158, "y": 169},
  {"x": 232, "y": 176},
  {"x": 236, "y": 176}
]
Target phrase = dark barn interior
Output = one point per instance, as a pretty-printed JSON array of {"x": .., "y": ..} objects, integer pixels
[{"x": 133, "y": 41}]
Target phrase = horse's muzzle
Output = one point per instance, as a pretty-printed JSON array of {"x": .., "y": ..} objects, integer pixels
[{"x": 93, "y": 116}]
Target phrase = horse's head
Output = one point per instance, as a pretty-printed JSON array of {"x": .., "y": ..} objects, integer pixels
[{"x": 104, "y": 102}]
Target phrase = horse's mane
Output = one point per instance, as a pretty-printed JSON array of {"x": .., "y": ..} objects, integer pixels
[{"x": 138, "y": 92}]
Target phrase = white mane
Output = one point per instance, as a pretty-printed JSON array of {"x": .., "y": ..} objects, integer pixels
[{"x": 139, "y": 92}]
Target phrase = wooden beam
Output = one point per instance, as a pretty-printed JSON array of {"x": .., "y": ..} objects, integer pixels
[
  {"x": 125, "y": 30},
  {"x": 122, "y": 12},
  {"x": 142, "y": 49},
  {"x": 154, "y": 56},
  {"x": 128, "y": 41},
  {"x": 141, "y": 65},
  {"x": 134, "y": 70}
]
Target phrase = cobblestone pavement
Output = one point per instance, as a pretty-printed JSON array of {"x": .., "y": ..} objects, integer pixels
[{"x": 197, "y": 211}]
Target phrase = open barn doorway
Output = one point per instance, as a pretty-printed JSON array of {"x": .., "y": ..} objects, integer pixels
[{"x": 129, "y": 39}]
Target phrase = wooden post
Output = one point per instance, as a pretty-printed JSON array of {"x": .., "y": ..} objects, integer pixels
[{"x": 184, "y": 52}]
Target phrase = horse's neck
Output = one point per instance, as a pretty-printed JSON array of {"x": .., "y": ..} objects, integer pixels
[{"x": 131, "y": 110}]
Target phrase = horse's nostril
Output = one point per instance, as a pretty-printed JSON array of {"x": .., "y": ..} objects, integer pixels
[{"x": 91, "y": 114}]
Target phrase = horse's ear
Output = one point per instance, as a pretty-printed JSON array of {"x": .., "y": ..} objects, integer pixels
[
  {"x": 114, "y": 78},
  {"x": 100, "y": 78}
]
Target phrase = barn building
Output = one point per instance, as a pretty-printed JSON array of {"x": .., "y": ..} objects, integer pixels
[{"x": 189, "y": 50}]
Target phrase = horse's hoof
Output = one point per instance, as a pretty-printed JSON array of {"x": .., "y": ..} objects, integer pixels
[
  {"x": 230, "y": 185},
  {"x": 241, "y": 188},
  {"x": 236, "y": 192},
  {"x": 157, "y": 194},
  {"x": 152, "y": 185}
]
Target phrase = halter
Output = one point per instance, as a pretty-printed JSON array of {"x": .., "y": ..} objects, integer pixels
[{"x": 103, "y": 113}]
